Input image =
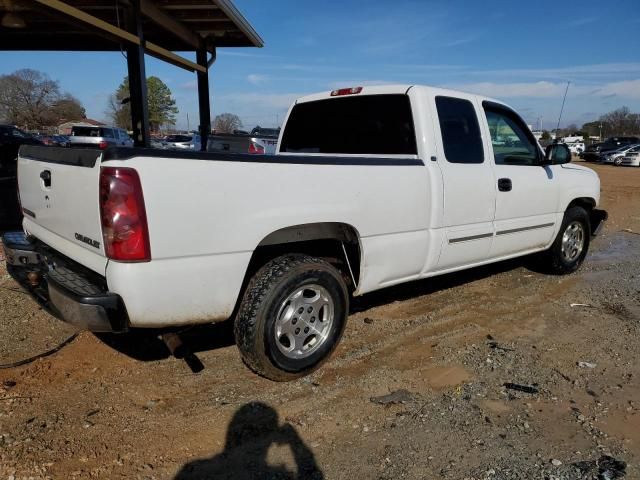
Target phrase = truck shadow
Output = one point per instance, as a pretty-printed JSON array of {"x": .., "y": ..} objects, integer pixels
[
  {"x": 253, "y": 430},
  {"x": 147, "y": 345}
]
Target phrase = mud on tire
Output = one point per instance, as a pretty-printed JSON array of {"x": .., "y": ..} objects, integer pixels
[{"x": 292, "y": 316}]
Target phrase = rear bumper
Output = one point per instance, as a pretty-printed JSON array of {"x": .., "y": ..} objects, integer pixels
[{"x": 62, "y": 287}]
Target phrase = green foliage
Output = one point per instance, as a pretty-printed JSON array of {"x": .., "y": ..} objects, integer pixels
[
  {"x": 161, "y": 105},
  {"x": 545, "y": 135}
]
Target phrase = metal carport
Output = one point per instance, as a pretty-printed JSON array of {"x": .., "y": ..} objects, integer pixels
[{"x": 159, "y": 28}]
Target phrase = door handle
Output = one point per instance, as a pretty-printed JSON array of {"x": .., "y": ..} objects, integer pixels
[
  {"x": 45, "y": 175},
  {"x": 504, "y": 184}
]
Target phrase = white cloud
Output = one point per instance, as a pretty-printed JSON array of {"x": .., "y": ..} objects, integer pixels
[
  {"x": 510, "y": 90},
  {"x": 358, "y": 83},
  {"x": 190, "y": 85},
  {"x": 257, "y": 79},
  {"x": 275, "y": 101},
  {"x": 629, "y": 89},
  {"x": 626, "y": 88}
]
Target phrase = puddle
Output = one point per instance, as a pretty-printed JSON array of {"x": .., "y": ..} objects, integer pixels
[{"x": 619, "y": 246}]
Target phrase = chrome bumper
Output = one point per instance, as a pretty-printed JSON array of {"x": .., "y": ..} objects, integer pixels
[{"x": 62, "y": 288}]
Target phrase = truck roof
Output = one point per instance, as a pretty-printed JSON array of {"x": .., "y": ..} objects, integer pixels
[{"x": 393, "y": 89}]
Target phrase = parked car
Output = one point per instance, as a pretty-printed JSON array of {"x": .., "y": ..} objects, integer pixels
[
  {"x": 261, "y": 141},
  {"x": 370, "y": 187},
  {"x": 54, "y": 140},
  {"x": 615, "y": 156},
  {"x": 11, "y": 138},
  {"x": 182, "y": 141},
  {"x": 99, "y": 137},
  {"x": 631, "y": 159},
  {"x": 576, "y": 148},
  {"x": 594, "y": 152}
]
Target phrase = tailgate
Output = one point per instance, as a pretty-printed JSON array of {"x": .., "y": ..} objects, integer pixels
[{"x": 59, "y": 192}]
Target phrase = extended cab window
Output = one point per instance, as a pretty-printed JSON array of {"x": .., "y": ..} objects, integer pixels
[
  {"x": 512, "y": 142},
  {"x": 460, "y": 130},
  {"x": 370, "y": 124}
]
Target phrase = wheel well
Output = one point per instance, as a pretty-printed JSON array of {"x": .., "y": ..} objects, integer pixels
[
  {"x": 585, "y": 202},
  {"x": 338, "y": 243}
]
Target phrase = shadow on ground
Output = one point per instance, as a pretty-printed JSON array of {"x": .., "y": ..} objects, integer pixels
[{"x": 253, "y": 430}]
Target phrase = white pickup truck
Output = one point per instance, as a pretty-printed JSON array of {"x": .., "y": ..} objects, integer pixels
[{"x": 370, "y": 187}]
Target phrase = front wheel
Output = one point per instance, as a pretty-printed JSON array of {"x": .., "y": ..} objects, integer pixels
[
  {"x": 570, "y": 247},
  {"x": 617, "y": 162},
  {"x": 291, "y": 317}
]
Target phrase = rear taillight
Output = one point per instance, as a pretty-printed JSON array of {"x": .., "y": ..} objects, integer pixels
[
  {"x": 256, "y": 149},
  {"x": 103, "y": 144},
  {"x": 124, "y": 220},
  {"x": 346, "y": 91}
]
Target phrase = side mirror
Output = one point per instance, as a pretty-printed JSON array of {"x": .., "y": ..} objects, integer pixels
[{"x": 557, "y": 154}]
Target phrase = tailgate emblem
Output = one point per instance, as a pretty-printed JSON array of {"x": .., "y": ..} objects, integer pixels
[{"x": 87, "y": 240}]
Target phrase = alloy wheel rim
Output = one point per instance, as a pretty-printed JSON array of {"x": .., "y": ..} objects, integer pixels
[
  {"x": 572, "y": 241},
  {"x": 304, "y": 321}
]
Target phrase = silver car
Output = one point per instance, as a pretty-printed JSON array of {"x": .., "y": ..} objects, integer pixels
[
  {"x": 99, "y": 137},
  {"x": 183, "y": 141}
]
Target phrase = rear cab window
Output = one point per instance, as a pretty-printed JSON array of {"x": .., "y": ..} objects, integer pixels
[
  {"x": 366, "y": 125},
  {"x": 460, "y": 130}
]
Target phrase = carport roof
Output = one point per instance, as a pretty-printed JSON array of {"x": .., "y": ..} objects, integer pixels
[{"x": 93, "y": 25}]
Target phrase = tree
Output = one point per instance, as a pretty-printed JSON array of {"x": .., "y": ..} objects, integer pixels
[
  {"x": 226, "y": 123},
  {"x": 32, "y": 100},
  {"x": 161, "y": 105},
  {"x": 621, "y": 122},
  {"x": 545, "y": 135},
  {"x": 68, "y": 108}
]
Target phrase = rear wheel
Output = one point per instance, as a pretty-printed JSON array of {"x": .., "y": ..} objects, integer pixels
[
  {"x": 292, "y": 316},
  {"x": 572, "y": 243}
]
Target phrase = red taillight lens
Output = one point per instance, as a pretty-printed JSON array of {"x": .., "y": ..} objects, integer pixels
[
  {"x": 256, "y": 149},
  {"x": 103, "y": 144},
  {"x": 124, "y": 219},
  {"x": 346, "y": 91}
]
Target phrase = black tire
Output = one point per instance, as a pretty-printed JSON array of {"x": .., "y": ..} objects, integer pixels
[
  {"x": 618, "y": 161},
  {"x": 263, "y": 302},
  {"x": 557, "y": 262}
]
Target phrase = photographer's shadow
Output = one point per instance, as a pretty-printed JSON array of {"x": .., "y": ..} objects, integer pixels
[{"x": 253, "y": 429}]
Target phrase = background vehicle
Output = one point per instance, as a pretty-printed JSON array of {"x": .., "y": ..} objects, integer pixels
[
  {"x": 594, "y": 152},
  {"x": 99, "y": 137},
  {"x": 615, "y": 156},
  {"x": 259, "y": 141},
  {"x": 54, "y": 140},
  {"x": 182, "y": 141},
  {"x": 631, "y": 159},
  {"x": 11, "y": 138},
  {"x": 371, "y": 187},
  {"x": 576, "y": 148}
]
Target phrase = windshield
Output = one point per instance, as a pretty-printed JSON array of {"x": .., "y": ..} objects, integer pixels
[
  {"x": 178, "y": 138},
  {"x": 266, "y": 132},
  {"x": 86, "y": 131},
  {"x": 13, "y": 132}
]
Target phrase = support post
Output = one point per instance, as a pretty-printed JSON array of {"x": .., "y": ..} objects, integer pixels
[
  {"x": 203, "y": 98},
  {"x": 137, "y": 78}
]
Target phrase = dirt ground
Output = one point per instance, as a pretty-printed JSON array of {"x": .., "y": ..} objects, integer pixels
[{"x": 121, "y": 407}]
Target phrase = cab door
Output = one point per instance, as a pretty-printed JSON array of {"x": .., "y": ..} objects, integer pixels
[
  {"x": 527, "y": 192},
  {"x": 468, "y": 181}
]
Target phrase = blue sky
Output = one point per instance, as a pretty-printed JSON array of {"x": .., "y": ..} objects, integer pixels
[{"x": 520, "y": 52}]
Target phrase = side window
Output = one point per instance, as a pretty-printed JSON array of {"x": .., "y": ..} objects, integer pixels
[
  {"x": 460, "y": 130},
  {"x": 512, "y": 145}
]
